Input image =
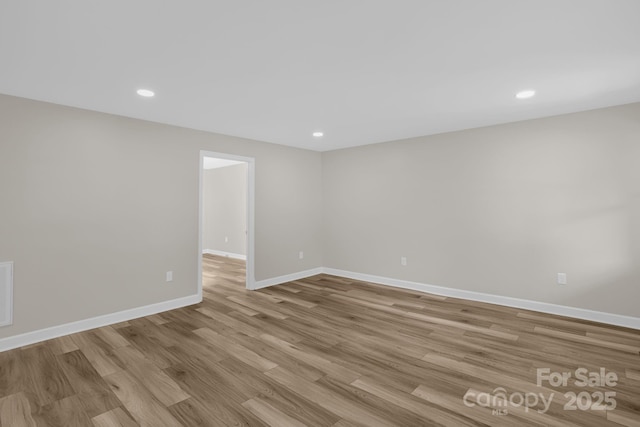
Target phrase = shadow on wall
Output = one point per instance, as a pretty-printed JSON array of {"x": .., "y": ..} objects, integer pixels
[{"x": 605, "y": 248}]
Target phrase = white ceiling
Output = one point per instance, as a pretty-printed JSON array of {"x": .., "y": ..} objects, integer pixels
[{"x": 361, "y": 71}]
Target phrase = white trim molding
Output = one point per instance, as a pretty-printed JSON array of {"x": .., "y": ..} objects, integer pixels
[
  {"x": 6, "y": 293},
  {"x": 121, "y": 316},
  {"x": 95, "y": 322},
  {"x": 543, "y": 307},
  {"x": 224, "y": 254},
  {"x": 288, "y": 278},
  {"x": 251, "y": 214}
]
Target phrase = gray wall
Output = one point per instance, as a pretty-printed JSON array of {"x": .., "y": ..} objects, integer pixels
[
  {"x": 225, "y": 209},
  {"x": 96, "y": 208},
  {"x": 499, "y": 210}
]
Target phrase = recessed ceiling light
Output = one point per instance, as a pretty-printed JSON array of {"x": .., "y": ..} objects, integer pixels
[
  {"x": 318, "y": 134},
  {"x": 145, "y": 92},
  {"x": 524, "y": 94}
]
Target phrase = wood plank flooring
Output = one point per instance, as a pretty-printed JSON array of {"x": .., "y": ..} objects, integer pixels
[{"x": 324, "y": 351}]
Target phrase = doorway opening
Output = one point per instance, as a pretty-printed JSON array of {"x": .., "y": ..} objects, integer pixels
[{"x": 226, "y": 214}]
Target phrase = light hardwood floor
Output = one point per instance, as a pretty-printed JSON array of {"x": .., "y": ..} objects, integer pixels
[{"x": 323, "y": 351}]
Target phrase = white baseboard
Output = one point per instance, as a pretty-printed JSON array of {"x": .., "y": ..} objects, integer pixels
[
  {"x": 543, "y": 307},
  {"x": 225, "y": 254},
  {"x": 95, "y": 322},
  {"x": 287, "y": 278},
  {"x": 121, "y": 316}
]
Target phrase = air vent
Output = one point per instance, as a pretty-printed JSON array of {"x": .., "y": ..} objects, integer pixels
[{"x": 6, "y": 293}]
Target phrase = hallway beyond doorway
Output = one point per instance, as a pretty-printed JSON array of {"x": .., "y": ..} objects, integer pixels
[{"x": 219, "y": 270}]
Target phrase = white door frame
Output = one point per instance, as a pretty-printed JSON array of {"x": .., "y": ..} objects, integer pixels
[{"x": 250, "y": 161}]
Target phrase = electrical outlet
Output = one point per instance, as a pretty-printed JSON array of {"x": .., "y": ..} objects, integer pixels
[
  {"x": 562, "y": 278},
  {"x": 169, "y": 276},
  {"x": 226, "y": 239},
  {"x": 403, "y": 260},
  {"x": 300, "y": 255}
]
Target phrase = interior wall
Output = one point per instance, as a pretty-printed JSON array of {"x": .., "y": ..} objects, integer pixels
[
  {"x": 96, "y": 208},
  {"x": 498, "y": 210},
  {"x": 225, "y": 209}
]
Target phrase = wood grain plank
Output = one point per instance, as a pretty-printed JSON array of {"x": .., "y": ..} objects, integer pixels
[
  {"x": 408, "y": 402},
  {"x": 67, "y": 412},
  {"x": 112, "y": 337},
  {"x": 95, "y": 395},
  {"x": 623, "y": 418},
  {"x": 633, "y": 374},
  {"x": 341, "y": 407},
  {"x": 192, "y": 412},
  {"x": 312, "y": 359},
  {"x": 260, "y": 308},
  {"x": 46, "y": 380},
  {"x": 143, "y": 406},
  {"x": 218, "y": 397},
  {"x": 238, "y": 351},
  {"x": 63, "y": 345},
  {"x": 150, "y": 376},
  {"x": 277, "y": 395},
  {"x": 633, "y": 349},
  {"x": 97, "y": 353},
  {"x": 455, "y": 405},
  {"x": 270, "y": 415},
  {"x": 15, "y": 411},
  {"x": 12, "y": 372},
  {"x": 114, "y": 418},
  {"x": 231, "y": 322}
]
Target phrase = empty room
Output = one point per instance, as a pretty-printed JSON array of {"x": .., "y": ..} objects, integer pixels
[{"x": 319, "y": 213}]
